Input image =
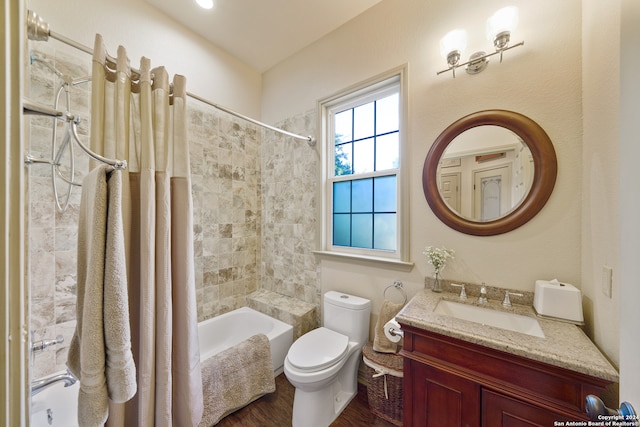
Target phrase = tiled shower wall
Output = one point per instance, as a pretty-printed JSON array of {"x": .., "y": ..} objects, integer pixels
[
  {"x": 51, "y": 236},
  {"x": 290, "y": 170},
  {"x": 225, "y": 168},
  {"x": 226, "y": 171}
]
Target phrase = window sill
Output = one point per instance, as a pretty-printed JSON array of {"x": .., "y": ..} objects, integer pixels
[{"x": 367, "y": 260}]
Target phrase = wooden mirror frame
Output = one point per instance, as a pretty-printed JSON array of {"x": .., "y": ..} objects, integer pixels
[{"x": 544, "y": 176}]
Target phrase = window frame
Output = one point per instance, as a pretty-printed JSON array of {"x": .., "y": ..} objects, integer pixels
[{"x": 372, "y": 89}]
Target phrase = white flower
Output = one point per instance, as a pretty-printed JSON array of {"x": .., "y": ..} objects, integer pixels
[{"x": 438, "y": 257}]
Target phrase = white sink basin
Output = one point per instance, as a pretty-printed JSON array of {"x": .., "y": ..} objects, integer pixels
[{"x": 490, "y": 317}]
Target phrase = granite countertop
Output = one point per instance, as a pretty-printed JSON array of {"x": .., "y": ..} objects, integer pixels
[{"x": 565, "y": 345}]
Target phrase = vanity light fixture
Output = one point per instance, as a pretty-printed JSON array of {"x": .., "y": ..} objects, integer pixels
[
  {"x": 499, "y": 28},
  {"x": 205, "y": 4}
]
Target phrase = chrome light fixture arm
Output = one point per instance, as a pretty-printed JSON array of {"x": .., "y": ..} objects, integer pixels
[{"x": 478, "y": 63}]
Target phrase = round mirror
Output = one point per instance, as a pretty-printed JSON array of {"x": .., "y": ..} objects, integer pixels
[{"x": 489, "y": 172}]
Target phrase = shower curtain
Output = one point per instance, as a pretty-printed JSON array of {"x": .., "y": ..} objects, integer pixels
[{"x": 142, "y": 119}]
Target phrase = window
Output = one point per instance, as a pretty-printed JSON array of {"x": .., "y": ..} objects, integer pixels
[{"x": 363, "y": 141}]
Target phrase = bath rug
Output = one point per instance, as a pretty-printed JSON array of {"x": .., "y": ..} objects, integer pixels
[
  {"x": 381, "y": 343},
  {"x": 236, "y": 377}
]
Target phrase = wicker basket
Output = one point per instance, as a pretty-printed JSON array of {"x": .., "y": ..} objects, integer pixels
[{"x": 384, "y": 384}]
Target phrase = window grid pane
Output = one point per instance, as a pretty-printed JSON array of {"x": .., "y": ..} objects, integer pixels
[
  {"x": 362, "y": 195},
  {"x": 388, "y": 151},
  {"x": 385, "y": 231},
  {"x": 387, "y": 114},
  {"x": 363, "y": 155},
  {"x": 344, "y": 126},
  {"x": 362, "y": 236},
  {"x": 342, "y": 197},
  {"x": 364, "y": 213},
  {"x": 343, "y": 159},
  {"x": 364, "y": 121},
  {"x": 384, "y": 195},
  {"x": 342, "y": 229}
]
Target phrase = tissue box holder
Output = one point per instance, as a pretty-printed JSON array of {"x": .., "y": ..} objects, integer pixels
[{"x": 559, "y": 301}]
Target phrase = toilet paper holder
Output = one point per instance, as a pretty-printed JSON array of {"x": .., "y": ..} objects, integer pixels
[
  {"x": 396, "y": 332},
  {"x": 392, "y": 331}
]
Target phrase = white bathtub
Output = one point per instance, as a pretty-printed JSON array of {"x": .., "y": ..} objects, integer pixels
[
  {"x": 228, "y": 329},
  {"x": 55, "y": 406}
]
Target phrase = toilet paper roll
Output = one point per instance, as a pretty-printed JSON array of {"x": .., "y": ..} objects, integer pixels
[{"x": 392, "y": 324}]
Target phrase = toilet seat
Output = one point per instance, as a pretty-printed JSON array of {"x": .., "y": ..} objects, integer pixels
[{"x": 317, "y": 350}]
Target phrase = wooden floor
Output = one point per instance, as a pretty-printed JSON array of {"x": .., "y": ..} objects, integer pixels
[{"x": 275, "y": 409}]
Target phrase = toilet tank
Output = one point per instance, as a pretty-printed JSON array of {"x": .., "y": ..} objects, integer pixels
[{"x": 348, "y": 315}]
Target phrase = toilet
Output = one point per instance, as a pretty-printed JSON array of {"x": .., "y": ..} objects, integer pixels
[{"x": 322, "y": 364}]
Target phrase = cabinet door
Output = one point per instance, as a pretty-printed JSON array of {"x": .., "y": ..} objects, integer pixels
[
  {"x": 442, "y": 399},
  {"x": 500, "y": 410}
]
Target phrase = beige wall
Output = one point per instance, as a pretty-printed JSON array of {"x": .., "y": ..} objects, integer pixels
[
  {"x": 629, "y": 202},
  {"x": 600, "y": 172},
  {"x": 541, "y": 80}
]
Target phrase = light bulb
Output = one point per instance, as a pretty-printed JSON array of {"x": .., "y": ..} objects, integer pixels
[
  {"x": 455, "y": 40},
  {"x": 504, "y": 20}
]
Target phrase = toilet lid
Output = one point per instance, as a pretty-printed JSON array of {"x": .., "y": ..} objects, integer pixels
[{"x": 317, "y": 349}]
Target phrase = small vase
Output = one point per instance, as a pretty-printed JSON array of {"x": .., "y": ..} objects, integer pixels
[{"x": 437, "y": 287}]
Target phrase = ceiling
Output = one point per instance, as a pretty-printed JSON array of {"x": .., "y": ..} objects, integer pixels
[{"x": 262, "y": 33}]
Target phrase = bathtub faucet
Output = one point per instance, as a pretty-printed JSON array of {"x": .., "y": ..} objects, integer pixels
[{"x": 38, "y": 385}]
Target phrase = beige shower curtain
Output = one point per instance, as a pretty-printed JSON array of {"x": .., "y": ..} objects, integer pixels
[{"x": 142, "y": 119}]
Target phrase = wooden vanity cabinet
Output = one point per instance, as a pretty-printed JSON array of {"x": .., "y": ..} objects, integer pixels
[
  {"x": 439, "y": 398},
  {"x": 450, "y": 382}
]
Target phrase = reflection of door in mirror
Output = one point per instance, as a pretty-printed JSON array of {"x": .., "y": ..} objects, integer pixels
[
  {"x": 450, "y": 190},
  {"x": 478, "y": 150},
  {"x": 492, "y": 193}
]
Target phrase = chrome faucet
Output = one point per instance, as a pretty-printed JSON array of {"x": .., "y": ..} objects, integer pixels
[
  {"x": 463, "y": 293},
  {"x": 483, "y": 295},
  {"x": 507, "y": 300},
  {"x": 39, "y": 385}
]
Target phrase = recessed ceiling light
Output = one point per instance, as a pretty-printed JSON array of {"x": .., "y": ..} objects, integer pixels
[{"x": 205, "y": 4}]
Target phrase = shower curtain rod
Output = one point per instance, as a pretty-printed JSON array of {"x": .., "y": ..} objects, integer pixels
[{"x": 38, "y": 30}]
